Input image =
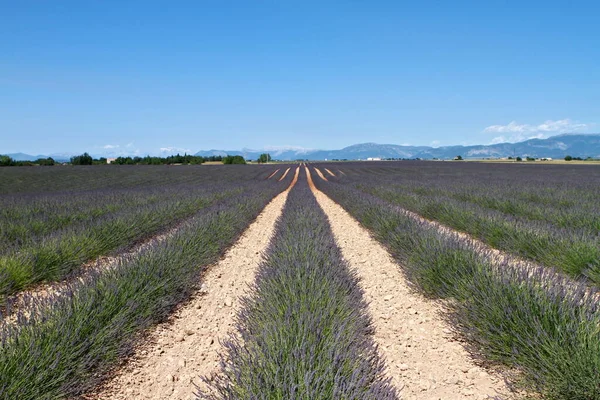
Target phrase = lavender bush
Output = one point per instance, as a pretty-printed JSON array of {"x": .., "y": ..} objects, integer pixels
[
  {"x": 48, "y": 233},
  {"x": 547, "y": 213},
  {"x": 535, "y": 321},
  {"x": 63, "y": 345},
  {"x": 304, "y": 329}
]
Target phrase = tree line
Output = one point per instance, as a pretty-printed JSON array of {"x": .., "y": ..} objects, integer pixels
[
  {"x": 6, "y": 161},
  {"x": 86, "y": 159},
  {"x": 176, "y": 159}
]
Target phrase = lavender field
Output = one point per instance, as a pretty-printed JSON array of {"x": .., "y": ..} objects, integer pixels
[
  {"x": 538, "y": 322},
  {"x": 62, "y": 343},
  {"x": 52, "y": 225},
  {"x": 523, "y": 304},
  {"x": 546, "y": 213}
]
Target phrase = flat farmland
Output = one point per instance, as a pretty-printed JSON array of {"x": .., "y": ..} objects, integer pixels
[
  {"x": 366, "y": 280},
  {"x": 545, "y": 213}
]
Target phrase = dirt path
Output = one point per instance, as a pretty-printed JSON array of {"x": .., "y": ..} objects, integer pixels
[
  {"x": 284, "y": 174},
  {"x": 182, "y": 350},
  {"x": 424, "y": 359},
  {"x": 329, "y": 172},
  {"x": 320, "y": 174},
  {"x": 270, "y": 176}
]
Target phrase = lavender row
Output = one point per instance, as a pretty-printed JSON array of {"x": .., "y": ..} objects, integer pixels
[
  {"x": 76, "y": 179},
  {"x": 133, "y": 215},
  {"x": 304, "y": 331},
  {"x": 550, "y": 215},
  {"x": 65, "y": 344},
  {"x": 27, "y": 216},
  {"x": 536, "y": 325}
]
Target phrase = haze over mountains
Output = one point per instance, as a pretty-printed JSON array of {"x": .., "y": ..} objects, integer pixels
[{"x": 575, "y": 145}]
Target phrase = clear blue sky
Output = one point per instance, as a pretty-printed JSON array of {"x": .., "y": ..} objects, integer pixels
[{"x": 125, "y": 77}]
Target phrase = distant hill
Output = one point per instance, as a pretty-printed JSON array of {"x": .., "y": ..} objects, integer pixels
[
  {"x": 24, "y": 157},
  {"x": 576, "y": 145},
  {"x": 282, "y": 154},
  {"x": 29, "y": 157}
]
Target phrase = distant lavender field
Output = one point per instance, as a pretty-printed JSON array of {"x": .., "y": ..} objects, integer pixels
[{"x": 546, "y": 213}]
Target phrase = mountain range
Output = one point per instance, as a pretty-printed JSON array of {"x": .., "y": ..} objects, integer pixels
[
  {"x": 575, "y": 145},
  {"x": 62, "y": 157}
]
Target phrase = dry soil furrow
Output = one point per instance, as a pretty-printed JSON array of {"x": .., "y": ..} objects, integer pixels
[
  {"x": 270, "y": 176},
  {"x": 424, "y": 359},
  {"x": 284, "y": 174},
  {"x": 295, "y": 179},
  {"x": 329, "y": 172},
  {"x": 177, "y": 353},
  {"x": 318, "y": 171}
]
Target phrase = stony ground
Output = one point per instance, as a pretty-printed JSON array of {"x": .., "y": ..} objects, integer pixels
[
  {"x": 179, "y": 352},
  {"x": 423, "y": 357}
]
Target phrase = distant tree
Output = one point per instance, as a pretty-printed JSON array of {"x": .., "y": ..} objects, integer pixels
[
  {"x": 530, "y": 159},
  {"x": 519, "y": 159},
  {"x": 122, "y": 161},
  {"x": 6, "y": 161},
  {"x": 568, "y": 158},
  {"x": 234, "y": 160},
  {"x": 84, "y": 159},
  {"x": 264, "y": 158},
  {"x": 149, "y": 160},
  {"x": 45, "y": 161},
  {"x": 99, "y": 161},
  {"x": 458, "y": 158},
  {"x": 183, "y": 159}
]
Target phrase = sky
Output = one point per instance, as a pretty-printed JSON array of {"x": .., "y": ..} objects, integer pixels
[{"x": 161, "y": 77}]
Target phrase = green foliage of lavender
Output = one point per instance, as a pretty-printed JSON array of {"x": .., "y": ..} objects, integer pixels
[
  {"x": 62, "y": 346},
  {"x": 533, "y": 320},
  {"x": 304, "y": 329},
  {"x": 54, "y": 256},
  {"x": 26, "y": 181},
  {"x": 45, "y": 236},
  {"x": 547, "y": 213}
]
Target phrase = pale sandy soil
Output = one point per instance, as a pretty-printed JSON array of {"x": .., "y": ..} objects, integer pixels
[
  {"x": 329, "y": 172},
  {"x": 284, "y": 174},
  {"x": 177, "y": 353},
  {"x": 423, "y": 357},
  {"x": 270, "y": 176},
  {"x": 318, "y": 171}
]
